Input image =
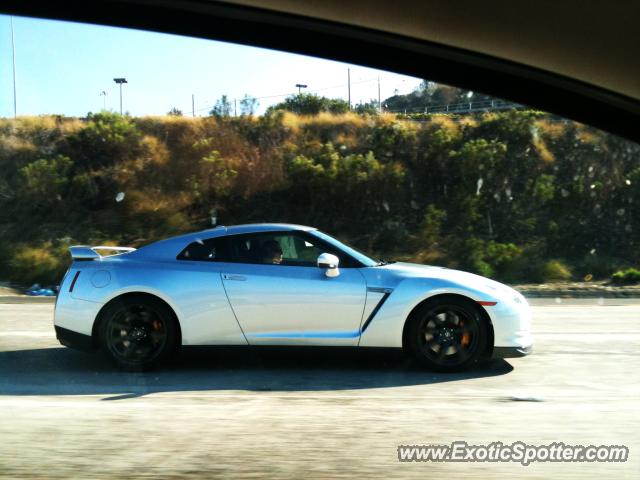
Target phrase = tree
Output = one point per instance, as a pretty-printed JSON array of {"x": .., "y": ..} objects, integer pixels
[
  {"x": 222, "y": 108},
  {"x": 337, "y": 105},
  {"x": 310, "y": 104},
  {"x": 108, "y": 138},
  {"x": 430, "y": 94},
  {"x": 368, "y": 108},
  {"x": 174, "y": 112},
  {"x": 248, "y": 105}
]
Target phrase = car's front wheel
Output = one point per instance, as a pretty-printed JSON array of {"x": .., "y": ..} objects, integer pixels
[
  {"x": 446, "y": 334},
  {"x": 138, "y": 331}
]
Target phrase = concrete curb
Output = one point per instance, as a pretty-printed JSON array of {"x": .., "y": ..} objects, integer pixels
[
  {"x": 564, "y": 294},
  {"x": 609, "y": 292},
  {"x": 528, "y": 292},
  {"x": 13, "y": 299}
]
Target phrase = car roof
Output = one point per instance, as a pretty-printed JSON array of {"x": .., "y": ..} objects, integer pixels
[
  {"x": 170, "y": 247},
  {"x": 260, "y": 227}
]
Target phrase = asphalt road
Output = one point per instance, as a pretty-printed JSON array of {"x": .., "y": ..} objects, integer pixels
[{"x": 275, "y": 414}]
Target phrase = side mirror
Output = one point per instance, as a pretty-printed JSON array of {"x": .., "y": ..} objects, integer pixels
[{"x": 330, "y": 262}]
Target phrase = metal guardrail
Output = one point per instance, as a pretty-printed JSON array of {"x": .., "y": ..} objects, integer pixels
[{"x": 467, "y": 107}]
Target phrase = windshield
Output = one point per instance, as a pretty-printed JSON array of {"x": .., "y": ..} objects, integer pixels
[{"x": 357, "y": 254}]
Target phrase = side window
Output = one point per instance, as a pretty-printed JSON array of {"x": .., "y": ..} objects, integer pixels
[
  {"x": 282, "y": 248},
  {"x": 298, "y": 251},
  {"x": 346, "y": 261},
  {"x": 210, "y": 250},
  {"x": 244, "y": 248},
  {"x": 273, "y": 248}
]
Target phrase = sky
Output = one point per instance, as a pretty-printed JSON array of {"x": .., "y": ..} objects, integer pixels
[{"x": 62, "y": 68}]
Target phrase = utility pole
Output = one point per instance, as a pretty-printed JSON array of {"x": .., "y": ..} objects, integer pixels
[
  {"x": 120, "y": 81},
  {"x": 349, "y": 86},
  {"x": 13, "y": 51},
  {"x": 379, "y": 102},
  {"x": 235, "y": 107},
  {"x": 193, "y": 105}
]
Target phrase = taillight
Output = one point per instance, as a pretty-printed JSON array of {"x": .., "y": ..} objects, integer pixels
[{"x": 73, "y": 283}]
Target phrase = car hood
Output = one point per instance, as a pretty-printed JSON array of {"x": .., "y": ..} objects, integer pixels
[{"x": 400, "y": 270}]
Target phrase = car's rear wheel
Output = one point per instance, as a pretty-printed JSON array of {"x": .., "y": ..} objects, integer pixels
[
  {"x": 138, "y": 332},
  {"x": 446, "y": 334}
]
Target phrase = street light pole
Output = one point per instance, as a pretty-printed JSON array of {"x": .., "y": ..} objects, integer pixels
[
  {"x": 103, "y": 94},
  {"x": 349, "y": 86},
  {"x": 120, "y": 81},
  {"x": 300, "y": 87},
  {"x": 13, "y": 52}
]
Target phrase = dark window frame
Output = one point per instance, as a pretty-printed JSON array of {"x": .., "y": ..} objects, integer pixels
[
  {"x": 325, "y": 247},
  {"x": 181, "y": 256}
]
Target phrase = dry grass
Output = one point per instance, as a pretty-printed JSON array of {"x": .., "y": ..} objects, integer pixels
[
  {"x": 551, "y": 129},
  {"x": 12, "y": 145},
  {"x": 152, "y": 199},
  {"x": 541, "y": 147},
  {"x": 447, "y": 123},
  {"x": 588, "y": 136},
  {"x": 155, "y": 152}
]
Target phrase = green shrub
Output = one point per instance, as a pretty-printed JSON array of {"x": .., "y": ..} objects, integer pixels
[
  {"x": 44, "y": 264},
  {"x": 502, "y": 261},
  {"x": 598, "y": 266},
  {"x": 504, "y": 257},
  {"x": 429, "y": 230},
  {"x": 532, "y": 267},
  {"x": 468, "y": 254},
  {"x": 555, "y": 270},
  {"x": 628, "y": 276}
]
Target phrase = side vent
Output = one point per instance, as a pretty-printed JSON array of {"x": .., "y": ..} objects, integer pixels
[{"x": 73, "y": 283}]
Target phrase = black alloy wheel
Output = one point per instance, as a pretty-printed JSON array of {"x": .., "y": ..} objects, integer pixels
[
  {"x": 447, "y": 334},
  {"x": 138, "y": 332}
]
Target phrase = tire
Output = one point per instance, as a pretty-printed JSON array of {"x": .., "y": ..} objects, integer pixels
[
  {"x": 446, "y": 334},
  {"x": 138, "y": 332}
]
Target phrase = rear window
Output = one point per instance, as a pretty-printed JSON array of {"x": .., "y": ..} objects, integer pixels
[{"x": 210, "y": 250}]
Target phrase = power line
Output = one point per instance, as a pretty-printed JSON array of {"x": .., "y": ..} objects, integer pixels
[
  {"x": 280, "y": 95},
  {"x": 13, "y": 55}
]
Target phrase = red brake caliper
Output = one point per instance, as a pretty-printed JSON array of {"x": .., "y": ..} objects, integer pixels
[{"x": 466, "y": 337}]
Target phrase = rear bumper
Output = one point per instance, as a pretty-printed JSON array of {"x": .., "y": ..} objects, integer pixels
[
  {"x": 75, "y": 340},
  {"x": 511, "y": 352}
]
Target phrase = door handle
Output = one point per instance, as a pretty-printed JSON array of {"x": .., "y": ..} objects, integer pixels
[{"x": 228, "y": 276}]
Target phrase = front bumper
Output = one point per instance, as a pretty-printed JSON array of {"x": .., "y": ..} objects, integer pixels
[
  {"x": 511, "y": 320},
  {"x": 75, "y": 340}
]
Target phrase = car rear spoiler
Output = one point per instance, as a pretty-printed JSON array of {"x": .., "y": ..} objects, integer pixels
[{"x": 84, "y": 252}]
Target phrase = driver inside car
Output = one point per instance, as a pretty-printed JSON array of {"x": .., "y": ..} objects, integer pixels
[{"x": 271, "y": 252}]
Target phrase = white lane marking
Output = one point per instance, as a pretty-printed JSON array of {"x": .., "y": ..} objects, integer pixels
[
  {"x": 19, "y": 333},
  {"x": 587, "y": 337},
  {"x": 150, "y": 399}
]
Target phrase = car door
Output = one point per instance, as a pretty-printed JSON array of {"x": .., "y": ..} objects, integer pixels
[{"x": 289, "y": 300}]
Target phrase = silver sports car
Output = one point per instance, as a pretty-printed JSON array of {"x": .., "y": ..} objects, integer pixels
[{"x": 280, "y": 284}]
